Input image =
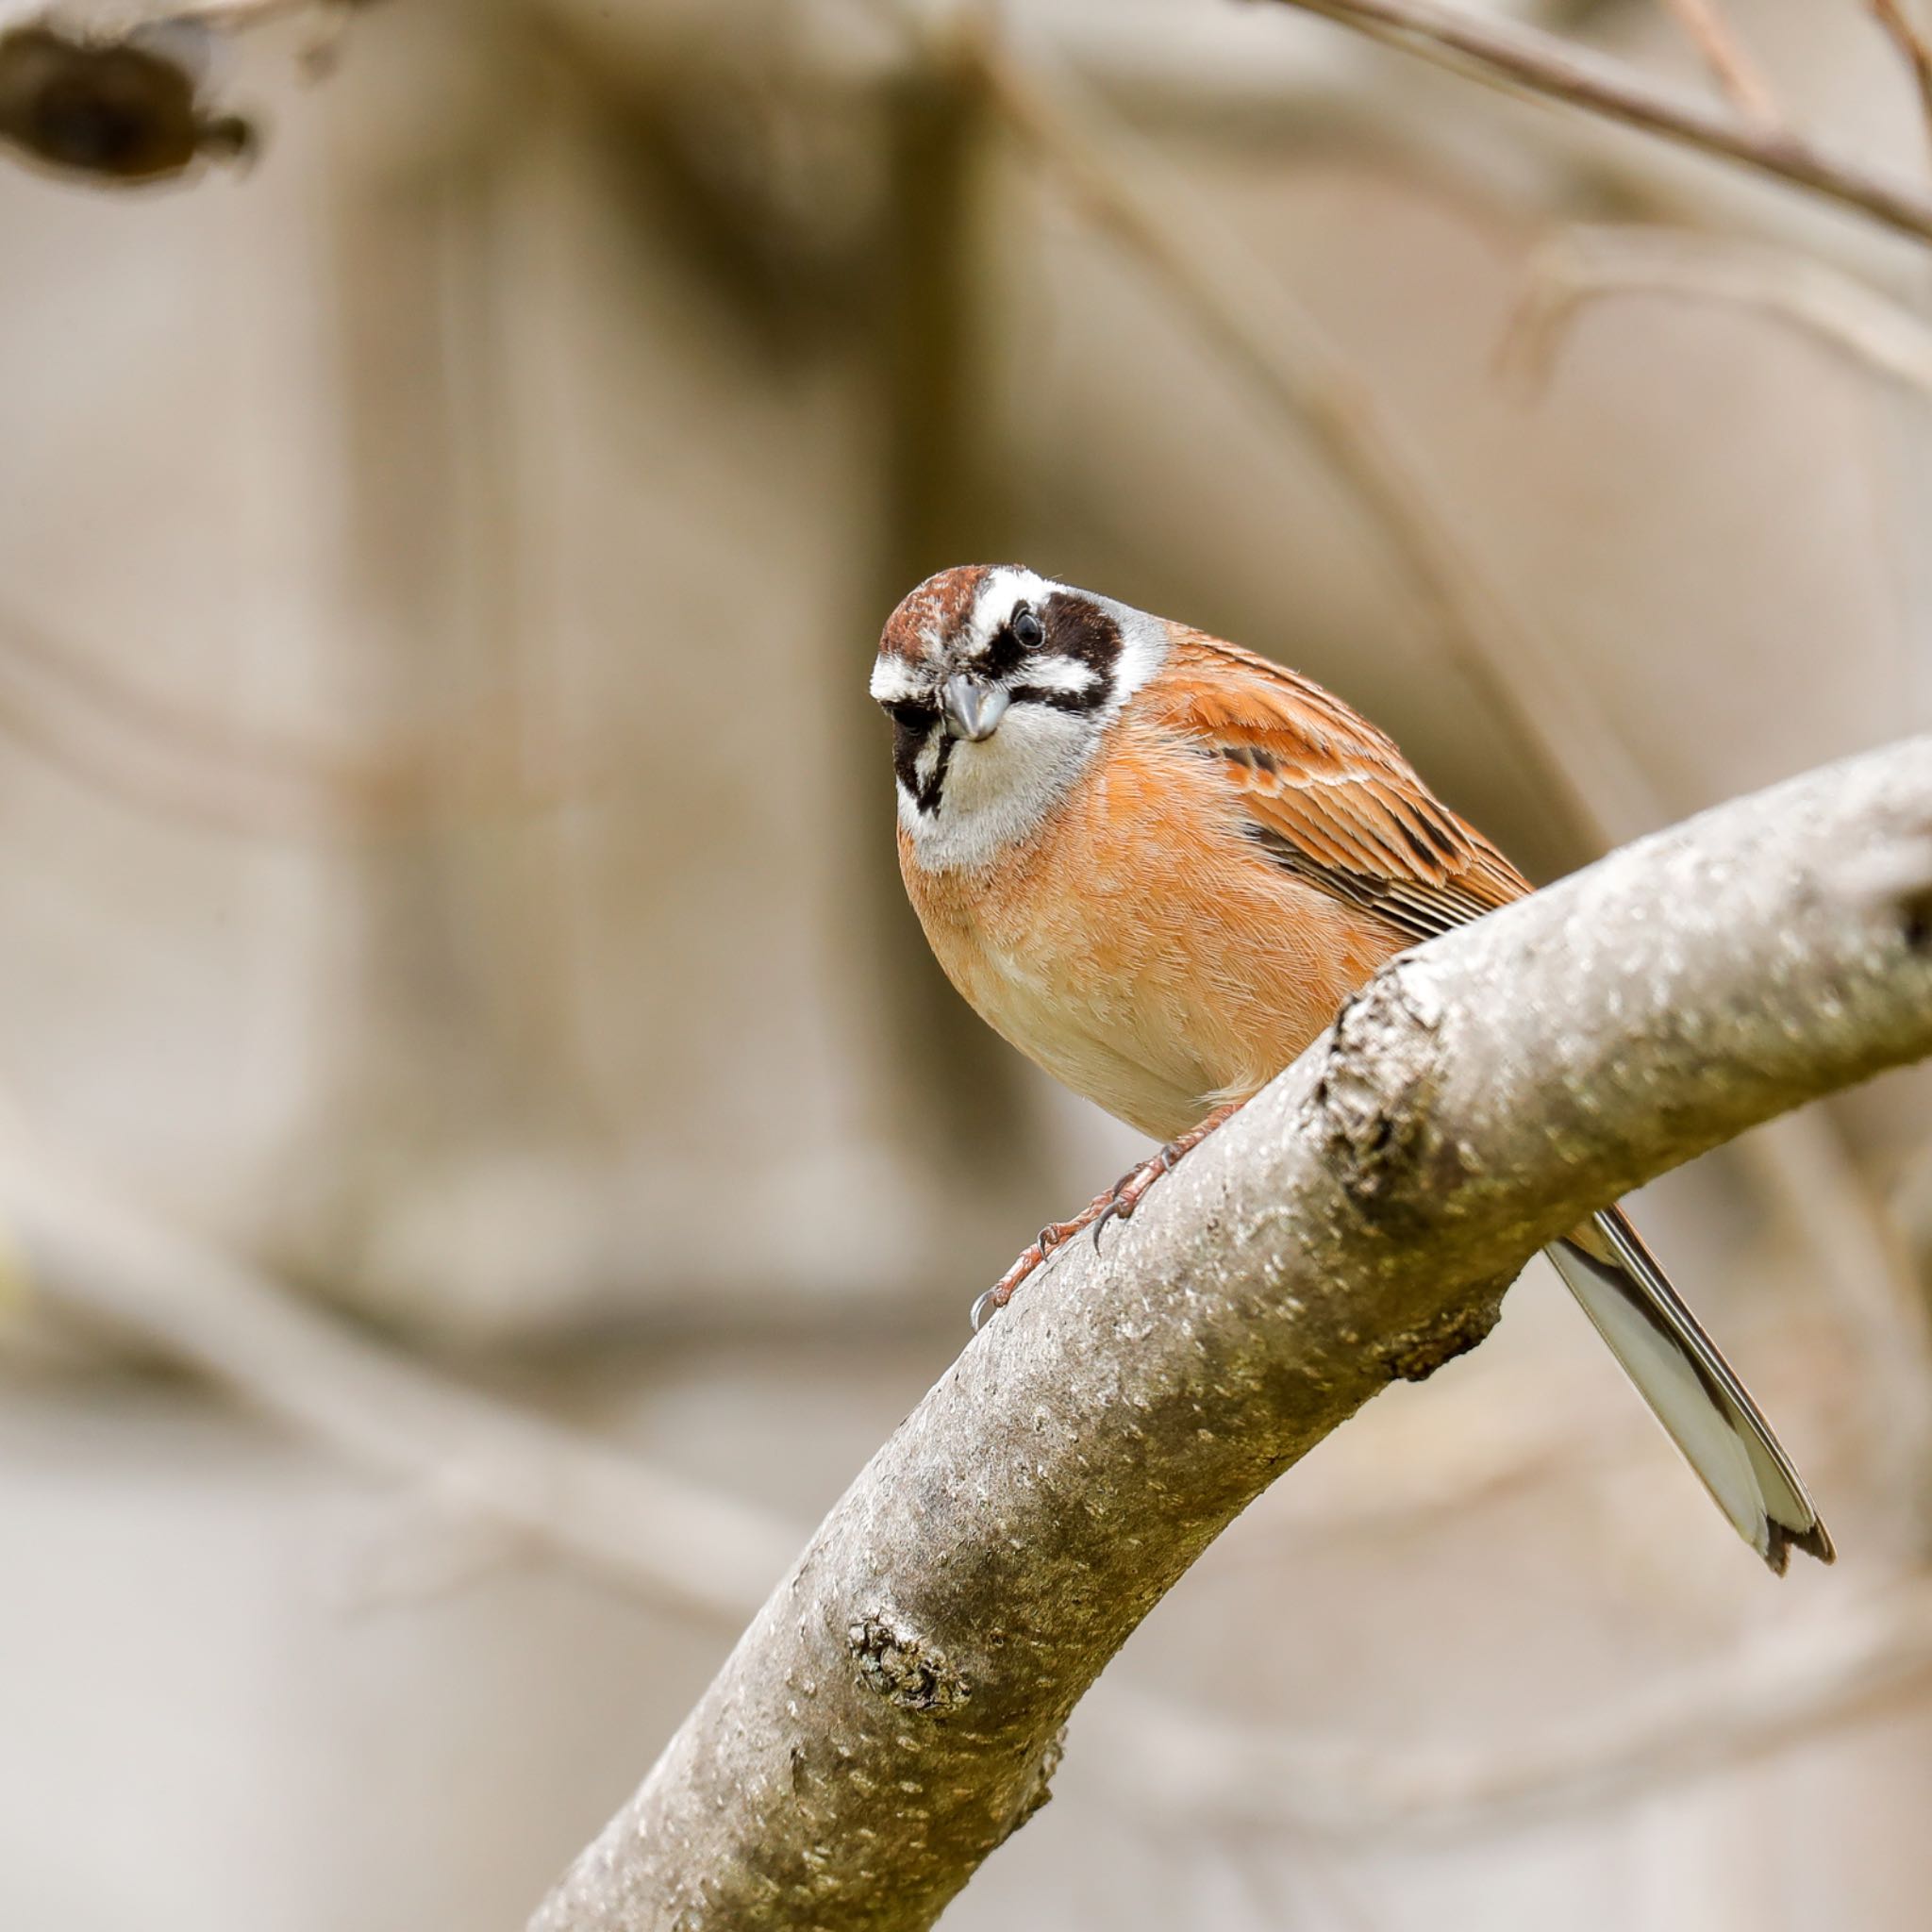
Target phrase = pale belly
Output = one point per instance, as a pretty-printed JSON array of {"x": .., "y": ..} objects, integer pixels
[
  {"x": 1156, "y": 996},
  {"x": 1111, "y": 1041}
]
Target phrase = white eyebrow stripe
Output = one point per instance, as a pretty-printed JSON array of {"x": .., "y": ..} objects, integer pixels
[
  {"x": 895, "y": 682},
  {"x": 1002, "y": 594},
  {"x": 1060, "y": 673}
]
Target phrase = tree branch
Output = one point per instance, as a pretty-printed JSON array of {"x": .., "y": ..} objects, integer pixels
[
  {"x": 536, "y": 1484},
  {"x": 1531, "y": 60},
  {"x": 895, "y": 1711}
]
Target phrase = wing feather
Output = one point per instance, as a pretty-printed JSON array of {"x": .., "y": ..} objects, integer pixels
[{"x": 1328, "y": 797}]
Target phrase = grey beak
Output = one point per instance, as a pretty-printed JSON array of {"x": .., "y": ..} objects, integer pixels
[{"x": 973, "y": 710}]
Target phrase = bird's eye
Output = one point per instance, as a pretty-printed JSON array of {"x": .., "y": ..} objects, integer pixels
[{"x": 1028, "y": 632}]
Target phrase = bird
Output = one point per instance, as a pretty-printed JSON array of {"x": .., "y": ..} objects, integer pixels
[{"x": 1160, "y": 864}]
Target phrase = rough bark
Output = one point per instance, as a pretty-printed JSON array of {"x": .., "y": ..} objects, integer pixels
[{"x": 896, "y": 1709}]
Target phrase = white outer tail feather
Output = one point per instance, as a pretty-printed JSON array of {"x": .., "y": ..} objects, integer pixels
[{"x": 1690, "y": 1388}]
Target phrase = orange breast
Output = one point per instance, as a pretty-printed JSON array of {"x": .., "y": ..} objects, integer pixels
[{"x": 1139, "y": 947}]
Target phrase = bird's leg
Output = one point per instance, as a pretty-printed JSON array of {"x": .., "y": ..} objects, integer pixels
[
  {"x": 1044, "y": 1242},
  {"x": 1117, "y": 1202},
  {"x": 1131, "y": 1190}
]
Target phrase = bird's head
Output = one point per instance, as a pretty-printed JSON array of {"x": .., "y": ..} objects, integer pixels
[{"x": 999, "y": 684}]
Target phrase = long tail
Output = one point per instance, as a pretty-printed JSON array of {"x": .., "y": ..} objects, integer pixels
[{"x": 1690, "y": 1388}]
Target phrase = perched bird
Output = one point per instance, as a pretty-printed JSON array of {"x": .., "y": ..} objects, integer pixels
[{"x": 1158, "y": 865}]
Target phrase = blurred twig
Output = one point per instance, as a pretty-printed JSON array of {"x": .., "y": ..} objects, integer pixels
[
  {"x": 1711, "y": 32},
  {"x": 92, "y": 1254},
  {"x": 1914, "y": 48},
  {"x": 195, "y": 767},
  {"x": 1586, "y": 264},
  {"x": 1800, "y": 1160},
  {"x": 1863, "y": 1656},
  {"x": 1532, "y": 61}
]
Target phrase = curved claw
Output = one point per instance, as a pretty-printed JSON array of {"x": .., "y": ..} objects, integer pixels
[
  {"x": 1117, "y": 1204},
  {"x": 1109, "y": 1213}
]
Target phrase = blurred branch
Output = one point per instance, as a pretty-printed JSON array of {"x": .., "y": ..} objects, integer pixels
[
  {"x": 1799, "y": 1161},
  {"x": 1711, "y": 32},
  {"x": 1862, "y": 1657},
  {"x": 80, "y": 1248},
  {"x": 1909, "y": 39},
  {"x": 1586, "y": 264},
  {"x": 1543, "y": 64},
  {"x": 197, "y": 768},
  {"x": 1356, "y": 1222}
]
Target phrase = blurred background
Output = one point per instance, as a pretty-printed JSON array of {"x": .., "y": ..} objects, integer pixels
[{"x": 484, "y": 1153}]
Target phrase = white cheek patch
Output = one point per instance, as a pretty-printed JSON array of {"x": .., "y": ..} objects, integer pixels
[
  {"x": 927, "y": 761},
  {"x": 896, "y": 682},
  {"x": 1067, "y": 675}
]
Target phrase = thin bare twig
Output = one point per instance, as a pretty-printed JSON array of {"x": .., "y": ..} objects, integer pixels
[
  {"x": 1585, "y": 265},
  {"x": 1799, "y": 1159},
  {"x": 200, "y": 768},
  {"x": 1532, "y": 61},
  {"x": 1711, "y": 32},
  {"x": 68, "y": 1239},
  {"x": 1913, "y": 46},
  {"x": 1867, "y": 1654}
]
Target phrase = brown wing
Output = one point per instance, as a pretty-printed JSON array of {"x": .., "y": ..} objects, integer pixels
[{"x": 1327, "y": 795}]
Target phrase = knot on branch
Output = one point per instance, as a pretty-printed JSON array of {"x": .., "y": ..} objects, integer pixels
[
  {"x": 1416, "y": 1354},
  {"x": 1383, "y": 1067},
  {"x": 905, "y": 1669}
]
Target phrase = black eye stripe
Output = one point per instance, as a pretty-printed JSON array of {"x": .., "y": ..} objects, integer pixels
[
  {"x": 1005, "y": 654},
  {"x": 914, "y": 713},
  {"x": 1090, "y": 700}
]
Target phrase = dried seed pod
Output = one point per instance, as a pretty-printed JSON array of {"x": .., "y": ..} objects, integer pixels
[{"x": 120, "y": 111}]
